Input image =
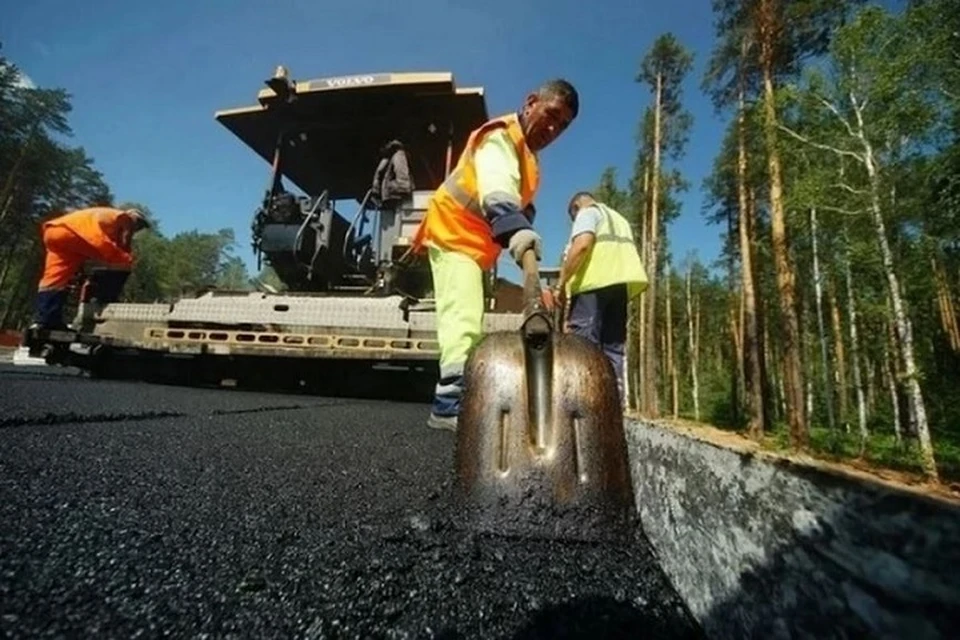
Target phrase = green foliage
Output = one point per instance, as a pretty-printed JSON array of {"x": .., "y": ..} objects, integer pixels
[
  {"x": 610, "y": 194},
  {"x": 188, "y": 263},
  {"x": 42, "y": 177},
  {"x": 881, "y": 449},
  {"x": 843, "y": 68}
]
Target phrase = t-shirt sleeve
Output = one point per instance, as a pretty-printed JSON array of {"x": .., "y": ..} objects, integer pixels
[{"x": 587, "y": 220}]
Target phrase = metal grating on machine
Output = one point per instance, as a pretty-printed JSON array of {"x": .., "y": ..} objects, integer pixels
[
  {"x": 294, "y": 311},
  {"x": 258, "y": 308},
  {"x": 135, "y": 312}
]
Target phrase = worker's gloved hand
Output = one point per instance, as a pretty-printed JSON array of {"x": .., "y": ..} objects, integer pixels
[
  {"x": 559, "y": 295},
  {"x": 521, "y": 241}
]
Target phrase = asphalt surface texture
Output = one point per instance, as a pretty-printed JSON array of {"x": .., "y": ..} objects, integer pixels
[{"x": 131, "y": 510}]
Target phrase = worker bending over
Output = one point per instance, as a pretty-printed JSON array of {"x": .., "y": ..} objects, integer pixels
[
  {"x": 98, "y": 234},
  {"x": 600, "y": 273},
  {"x": 478, "y": 211}
]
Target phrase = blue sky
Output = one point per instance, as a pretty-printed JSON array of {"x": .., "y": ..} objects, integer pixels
[{"x": 147, "y": 77}]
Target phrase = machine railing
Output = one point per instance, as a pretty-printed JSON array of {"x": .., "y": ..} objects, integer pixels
[
  {"x": 351, "y": 245},
  {"x": 319, "y": 204}
]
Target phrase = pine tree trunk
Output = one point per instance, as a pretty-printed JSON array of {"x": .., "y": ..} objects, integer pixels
[
  {"x": 740, "y": 324},
  {"x": 642, "y": 318},
  {"x": 889, "y": 370},
  {"x": 900, "y": 319},
  {"x": 767, "y": 391},
  {"x": 662, "y": 367},
  {"x": 807, "y": 366},
  {"x": 671, "y": 356},
  {"x": 783, "y": 391},
  {"x": 628, "y": 361},
  {"x": 651, "y": 399},
  {"x": 776, "y": 395},
  {"x": 948, "y": 314},
  {"x": 806, "y": 362},
  {"x": 693, "y": 332},
  {"x": 696, "y": 350},
  {"x": 793, "y": 375},
  {"x": 824, "y": 348},
  {"x": 843, "y": 392},
  {"x": 751, "y": 364},
  {"x": 735, "y": 322},
  {"x": 737, "y": 374},
  {"x": 855, "y": 353}
]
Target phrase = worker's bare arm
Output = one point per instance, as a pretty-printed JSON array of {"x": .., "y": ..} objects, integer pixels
[
  {"x": 582, "y": 238},
  {"x": 579, "y": 248}
]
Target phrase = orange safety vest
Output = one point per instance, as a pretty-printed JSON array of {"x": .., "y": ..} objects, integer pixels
[
  {"x": 454, "y": 220},
  {"x": 99, "y": 227}
]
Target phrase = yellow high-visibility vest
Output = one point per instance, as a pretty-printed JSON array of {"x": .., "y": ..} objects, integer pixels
[{"x": 613, "y": 259}]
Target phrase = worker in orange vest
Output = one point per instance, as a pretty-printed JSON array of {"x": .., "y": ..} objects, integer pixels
[
  {"x": 481, "y": 208},
  {"x": 99, "y": 234}
]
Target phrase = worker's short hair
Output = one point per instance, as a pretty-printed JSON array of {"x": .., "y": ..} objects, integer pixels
[
  {"x": 560, "y": 88},
  {"x": 575, "y": 202}
]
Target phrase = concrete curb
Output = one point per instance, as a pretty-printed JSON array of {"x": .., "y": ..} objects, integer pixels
[{"x": 763, "y": 546}]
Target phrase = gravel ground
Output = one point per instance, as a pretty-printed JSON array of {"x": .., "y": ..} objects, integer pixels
[{"x": 130, "y": 510}]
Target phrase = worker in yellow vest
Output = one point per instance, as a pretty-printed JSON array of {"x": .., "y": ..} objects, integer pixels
[
  {"x": 600, "y": 273},
  {"x": 481, "y": 208}
]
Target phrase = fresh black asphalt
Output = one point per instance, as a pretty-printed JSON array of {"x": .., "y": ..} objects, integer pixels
[{"x": 130, "y": 510}]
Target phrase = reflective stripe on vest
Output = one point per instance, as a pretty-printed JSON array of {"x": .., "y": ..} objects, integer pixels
[
  {"x": 454, "y": 219},
  {"x": 614, "y": 258}
]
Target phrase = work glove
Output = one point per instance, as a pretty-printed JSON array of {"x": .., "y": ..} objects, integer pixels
[{"x": 521, "y": 241}]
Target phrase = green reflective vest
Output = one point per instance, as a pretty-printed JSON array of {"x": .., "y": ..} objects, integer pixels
[{"x": 614, "y": 258}]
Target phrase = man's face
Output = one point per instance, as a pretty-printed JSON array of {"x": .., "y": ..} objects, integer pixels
[{"x": 544, "y": 119}]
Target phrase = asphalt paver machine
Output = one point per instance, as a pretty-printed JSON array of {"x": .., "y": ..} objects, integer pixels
[{"x": 355, "y": 299}]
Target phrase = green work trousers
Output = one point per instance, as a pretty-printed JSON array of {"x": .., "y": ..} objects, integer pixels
[{"x": 458, "y": 291}]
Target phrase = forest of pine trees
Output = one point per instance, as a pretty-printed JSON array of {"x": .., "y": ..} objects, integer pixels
[{"x": 830, "y": 322}]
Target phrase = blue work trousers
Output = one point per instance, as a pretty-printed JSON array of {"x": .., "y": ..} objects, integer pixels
[{"x": 600, "y": 316}]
